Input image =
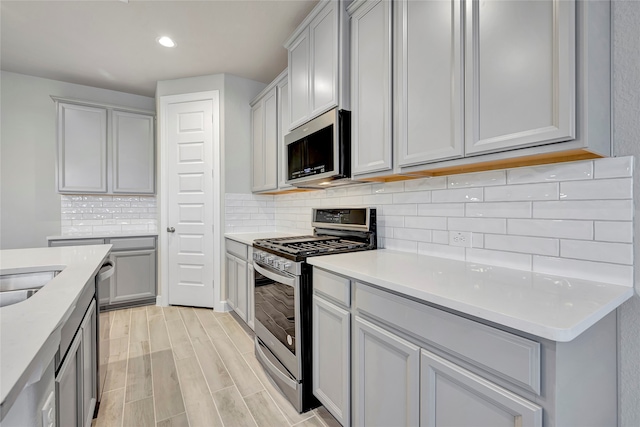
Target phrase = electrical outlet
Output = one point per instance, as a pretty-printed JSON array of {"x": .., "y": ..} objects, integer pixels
[{"x": 460, "y": 238}]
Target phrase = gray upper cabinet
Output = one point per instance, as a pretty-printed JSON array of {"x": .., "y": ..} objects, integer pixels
[
  {"x": 264, "y": 141},
  {"x": 318, "y": 53},
  {"x": 133, "y": 153},
  {"x": 104, "y": 149},
  {"x": 82, "y": 149},
  {"x": 453, "y": 396},
  {"x": 284, "y": 119},
  {"x": 386, "y": 377},
  {"x": 371, "y": 118},
  {"x": 520, "y": 74},
  {"x": 429, "y": 122}
]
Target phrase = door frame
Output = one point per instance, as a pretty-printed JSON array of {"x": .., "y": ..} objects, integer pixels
[{"x": 163, "y": 180}]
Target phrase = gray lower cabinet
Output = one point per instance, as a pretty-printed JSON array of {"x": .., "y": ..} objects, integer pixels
[
  {"x": 134, "y": 277},
  {"x": 239, "y": 280},
  {"x": 76, "y": 383},
  {"x": 446, "y": 388},
  {"x": 331, "y": 337},
  {"x": 232, "y": 286},
  {"x": 386, "y": 377}
]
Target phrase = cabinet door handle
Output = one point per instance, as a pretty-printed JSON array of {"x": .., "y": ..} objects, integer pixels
[{"x": 171, "y": 229}]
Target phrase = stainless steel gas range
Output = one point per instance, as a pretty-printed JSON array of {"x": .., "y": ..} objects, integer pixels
[{"x": 283, "y": 292}]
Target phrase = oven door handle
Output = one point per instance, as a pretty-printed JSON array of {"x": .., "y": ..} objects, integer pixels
[
  {"x": 273, "y": 368},
  {"x": 274, "y": 276}
]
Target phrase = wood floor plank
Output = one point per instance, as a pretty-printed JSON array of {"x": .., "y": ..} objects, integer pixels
[
  {"x": 326, "y": 417},
  {"x": 120, "y": 323},
  {"x": 232, "y": 408},
  {"x": 237, "y": 334},
  {"x": 242, "y": 375},
  {"x": 193, "y": 325},
  {"x": 154, "y": 310},
  {"x": 203, "y": 413},
  {"x": 139, "y": 382},
  {"x": 290, "y": 413},
  {"x": 139, "y": 333},
  {"x": 139, "y": 413},
  {"x": 215, "y": 373},
  {"x": 197, "y": 398},
  {"x": 111, "y": 408},
  {"x": 264, "y": 410},
  {"x": 177, "y": 421},
  {"x": 171, "y": 312},
  {"x": 180, "y": 342},
  {"x": 118, "y": 349},
  {"x": 158, "y": 335},
  {"x": 310, "y": 422},
  {"x": 166, "y": 387},
  {"x": 116, "y": 375},
  {"x": 210, "y": 324}
]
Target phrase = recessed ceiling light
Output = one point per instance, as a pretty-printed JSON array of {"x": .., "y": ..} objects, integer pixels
[{"x": 166, "y": 41}]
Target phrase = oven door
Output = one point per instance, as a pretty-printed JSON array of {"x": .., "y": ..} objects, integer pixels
[{"x": 277, "y": 308}]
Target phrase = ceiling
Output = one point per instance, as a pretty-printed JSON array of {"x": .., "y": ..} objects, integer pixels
[{"x": 112, "y": 44}]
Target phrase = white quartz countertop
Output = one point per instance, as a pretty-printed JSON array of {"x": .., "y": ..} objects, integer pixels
[
  {"x": 248, "y": 238},
  {"x": 30, "y": 330},
  {"x": 552, "y": 307},
  {"x": 102, "y": 235}
]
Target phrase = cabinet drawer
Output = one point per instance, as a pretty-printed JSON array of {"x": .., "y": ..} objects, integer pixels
[
  {"x": 236, "y": 248},
  {"x": 334, "y": 287},
  {"x": 506, "y": 355},
  {"x": 75, "y": 242},
  {"x": 123, "y": 244}
]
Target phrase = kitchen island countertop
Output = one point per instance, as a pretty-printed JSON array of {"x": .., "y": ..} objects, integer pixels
[
  {"x": 552, "y": 307},
  {"x": 102, "y": 235},
  {"x": 31, "y": 329}
]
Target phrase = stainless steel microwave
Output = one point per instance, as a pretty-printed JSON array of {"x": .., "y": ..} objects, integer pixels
[{"x": 319, "y": 152}]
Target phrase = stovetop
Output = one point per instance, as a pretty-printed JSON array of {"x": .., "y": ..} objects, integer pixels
[{"x": 305, "y": 246}]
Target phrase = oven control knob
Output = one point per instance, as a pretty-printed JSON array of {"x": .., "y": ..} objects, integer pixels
[
  {"x": 280, "y": 264},
  {"x": 269, "y": 260}
]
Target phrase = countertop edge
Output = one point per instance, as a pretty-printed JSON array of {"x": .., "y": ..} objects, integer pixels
[{"x": 101, "y": 236}]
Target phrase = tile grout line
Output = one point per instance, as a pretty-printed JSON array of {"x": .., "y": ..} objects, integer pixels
[
  {"x": 153, "y": 397},
  {"x": 174, "y": 364},
  {"x": 126, "y": 369}
]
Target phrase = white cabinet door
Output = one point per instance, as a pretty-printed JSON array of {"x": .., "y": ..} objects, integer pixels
[
  {"x": 428, "y": 80},
  {"x": 82, "y": 149},
  {"x": 264, "y": 142},
  {"x": 232, "y": 283},
  {"x": 386, "y": 377},
  {"x": 133, "y": 153},
  {"x": 332, "y": 358},
  {"x": 241, "y": 286},
  {"x": 323, "y": 37},
  {"x": 371, "y": 121},
  {"x": 453, "y": 396},
  {"x": 299, "y": 80},
  {"x": 284, "y": 119},
  {"x": 520, "y": 74}
]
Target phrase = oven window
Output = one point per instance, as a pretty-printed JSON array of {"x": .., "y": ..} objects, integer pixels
[{"x": 275, "y": 309}]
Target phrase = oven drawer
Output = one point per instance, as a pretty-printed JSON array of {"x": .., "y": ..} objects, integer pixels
[
  {"x": 519, "y": 360},
  {"x": 236, "y": 248},
  {"x": 332, "y": 286}
]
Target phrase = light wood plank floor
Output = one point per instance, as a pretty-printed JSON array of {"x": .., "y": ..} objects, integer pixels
[{"x": 190, "y": 367}]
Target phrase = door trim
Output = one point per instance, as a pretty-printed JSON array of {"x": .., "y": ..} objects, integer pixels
[{"x": 163, "y": 181}]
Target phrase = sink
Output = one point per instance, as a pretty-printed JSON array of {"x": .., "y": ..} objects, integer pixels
[{"x": 15, "y": 288}]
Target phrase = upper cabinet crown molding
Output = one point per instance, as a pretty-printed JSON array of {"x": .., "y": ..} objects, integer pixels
[
  {"x": 77, "y": 101},
  {"x": 104, "y": 149}
]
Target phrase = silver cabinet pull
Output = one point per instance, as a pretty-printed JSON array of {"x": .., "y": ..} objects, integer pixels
[{"x": 171, "y": 229}]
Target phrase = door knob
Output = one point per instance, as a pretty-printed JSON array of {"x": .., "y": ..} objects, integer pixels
[{"x": 171, "y": 229}]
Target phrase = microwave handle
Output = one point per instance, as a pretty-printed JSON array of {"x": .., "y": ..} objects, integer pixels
[{"x": 274, "y": 276}]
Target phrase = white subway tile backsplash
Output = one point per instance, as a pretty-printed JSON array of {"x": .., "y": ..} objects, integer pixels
[
  {"x": 499, "y": 258},
  {"x": 400, "y": 245},
  {"x": 481, "y": 225},
  {"x": 426, "y": 222},
  {"x": 441, "y": 237},
  {"x": 613, "y": 167},
  {"x": 457, "y": 195},
  {"x": 441, "y": 209},
  {"x": 617, "y": 253},
  {"x": 387, "y": 187},
  {"x": 555, "y": 172},
  {"x": 613, "y": 210},
  {"x": 441, "y": 251},
  {"x": 404, "y": 209},
  {"x": 412, "y": 197},
  {"x": 607, "y": 231},
  {"x": 597, "y": 189},
  {"x": 435, "y": 183},
  {"x": 499, "y": 210},
  {"x": 375, "y": 199},
  {"x": 359, "y": 190},
  {"x": 413, "y": 234},
  {"x": 588, "y": 270},
  {"x": 392, "y": 220},
  {"x": 522, "y": 244},
  {"x": 479, "y": 179},
  {"x": 522, "y": 192},
  {"x": 567, "y": 229}
]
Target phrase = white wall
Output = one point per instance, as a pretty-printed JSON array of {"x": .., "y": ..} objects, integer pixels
[
  {"x": 626, "y": 137},
  {"x": 29, "y": 204}
]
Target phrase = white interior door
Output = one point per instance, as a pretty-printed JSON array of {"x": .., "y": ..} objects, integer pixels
[{"x": 190, "y": 199}]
